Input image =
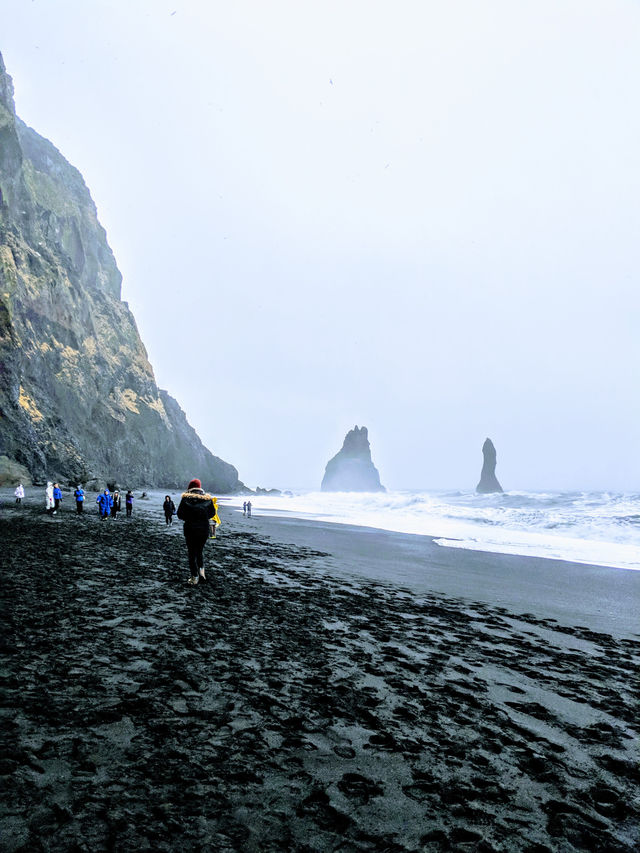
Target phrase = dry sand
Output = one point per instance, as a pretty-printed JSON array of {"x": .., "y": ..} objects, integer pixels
[{"x": 294, "y": 703}]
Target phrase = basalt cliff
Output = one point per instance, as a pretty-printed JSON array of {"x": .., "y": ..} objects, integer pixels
[
  {"x": 488, "y": 480},
  {"x": 78, "y": 398},
  {"x": 351, "y": 469}
]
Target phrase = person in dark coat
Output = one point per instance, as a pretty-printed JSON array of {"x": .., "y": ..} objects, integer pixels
[
  {"x": 195, "y": 509},
  {"x": 169, "y": 508},
  {"x": 116, "y": 504},
  {"x": 128, "y": 502}
]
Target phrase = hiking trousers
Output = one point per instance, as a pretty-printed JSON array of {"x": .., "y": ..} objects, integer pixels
[{"x": 196, "y": 540}]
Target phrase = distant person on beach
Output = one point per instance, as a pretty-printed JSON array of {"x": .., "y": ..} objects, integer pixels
[
  {"x": 128, "y": 502},
  {"x": 244, "y": 508},
  {"x": 104, "y": 502},
  {"x": 116, "y": 504},
  {"x": 48, "y": 498},
  {"x": 57, "y": 497},
  {"x": 196, "y": 508},
  {"x": 249, "y": 509},
  {"x": 19, "y": 493},
  {"x": 214, "y": 522},
  {"x": 79, "y": 496},
  {"x": 169, "y": 508}
]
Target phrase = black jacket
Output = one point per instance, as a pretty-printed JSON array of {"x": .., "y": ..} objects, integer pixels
[{"x": 196, "y": 508}]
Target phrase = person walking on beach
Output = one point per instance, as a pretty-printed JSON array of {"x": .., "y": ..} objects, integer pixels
[
  {"x": 57, "y": 497},
  {"x": 244, "y": 508},
  {"x": 248, "y": 509},
  {"x": 214, "y": 521},
  {"x": 168, "y": 508},
  {"x": 116, "y": 504},
  {"x": 79, "y": 496},
  {"x": 104, "y": 502},
  {"x": 48, "y": 498},
  {"x": 128, "y": 502},
  {"x": 195, "y": 509},
  {"x": 19, "y": 493}
]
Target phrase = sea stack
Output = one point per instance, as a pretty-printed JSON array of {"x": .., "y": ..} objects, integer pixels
[
  {"x": 352, "y": 470},
  {"x": 488, "y": 480},
  {"x": 78, "y": 398}
]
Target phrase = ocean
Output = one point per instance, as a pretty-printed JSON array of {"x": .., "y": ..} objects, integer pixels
[{"x": 602, "y": 528}]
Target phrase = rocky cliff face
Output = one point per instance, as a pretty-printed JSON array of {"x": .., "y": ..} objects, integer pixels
[
  {"x": 488, "y": 480},
  {"x": 351, "y": 470},
  {"x": 78, "y": 398}
]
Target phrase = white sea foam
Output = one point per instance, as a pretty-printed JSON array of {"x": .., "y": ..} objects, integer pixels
[{"x": 600, "y": 528}]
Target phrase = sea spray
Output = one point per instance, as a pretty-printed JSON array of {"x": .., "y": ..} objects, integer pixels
[{"x": 602, "y": 528}]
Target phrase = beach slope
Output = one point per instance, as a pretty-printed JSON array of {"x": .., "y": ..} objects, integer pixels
[{"x": 284, "y": 705}]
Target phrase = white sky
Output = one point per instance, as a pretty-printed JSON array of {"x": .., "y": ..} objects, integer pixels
[{"x": 423, "y": 217}]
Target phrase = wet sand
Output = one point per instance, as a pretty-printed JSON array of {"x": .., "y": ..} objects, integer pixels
[
  {"x": 602, "y": 598},
  {"x": 294, "y": 702}
]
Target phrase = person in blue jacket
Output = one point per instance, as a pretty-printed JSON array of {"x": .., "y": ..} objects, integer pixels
[
  {"x": 105, "y": 502},
  {"x": 57, "y": 497},
  {"x": 79, "y": 496}
]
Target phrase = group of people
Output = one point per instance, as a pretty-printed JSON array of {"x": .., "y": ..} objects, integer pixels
[
  {"x": 52, "y": 498},
  {"x": 109, "y": 505},
  {"x": 246, "y": 509},
  {"x": 197, "y": 509}
]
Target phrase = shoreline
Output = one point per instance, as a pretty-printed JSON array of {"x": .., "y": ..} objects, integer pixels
[
  {"x": 571, "y": 527},
  {"x": 293, "y": 703},
  {"x": 602, "y": 598},
  {"x": 606, "y": 599}
]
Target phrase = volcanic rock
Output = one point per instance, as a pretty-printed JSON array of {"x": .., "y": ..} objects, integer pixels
[
  {"x": 78, "y": 397},
  {"x": 352, "y": 470},
  {"x": 488, "y": 480}
]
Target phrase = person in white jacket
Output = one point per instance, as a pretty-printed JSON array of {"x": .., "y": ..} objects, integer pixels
[
  {"x": 48, "y": 498},
  {"x": 19, "y": 493}
]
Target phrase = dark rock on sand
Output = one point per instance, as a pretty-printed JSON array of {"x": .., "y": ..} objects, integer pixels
[
  {"x": 488, "y": 480},
  {"x": 12, "y": 472},
  {"x": 352, "y": 470},
  {"x": 78, "y": 397}
]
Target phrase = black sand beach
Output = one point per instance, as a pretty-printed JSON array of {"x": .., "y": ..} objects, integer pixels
[{"x": 294, "y": 702}]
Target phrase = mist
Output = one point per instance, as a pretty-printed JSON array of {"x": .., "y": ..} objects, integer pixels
[{"x": 417, "y": 217}]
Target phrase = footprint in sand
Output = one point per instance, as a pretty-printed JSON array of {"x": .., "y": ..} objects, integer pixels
[
  {"x": 344, "y": 751},
  {"x": 359, "y": 788}
]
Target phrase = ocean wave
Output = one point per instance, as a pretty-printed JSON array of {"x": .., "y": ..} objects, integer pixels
[{"x": 586, "y": 527}]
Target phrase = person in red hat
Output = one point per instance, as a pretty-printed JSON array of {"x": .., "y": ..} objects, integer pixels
[{"x": 195, "y": 509}]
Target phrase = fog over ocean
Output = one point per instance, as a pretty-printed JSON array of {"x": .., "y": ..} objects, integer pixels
[
  {"x": 602, "y": 528},
  {"x": 421, "y": 217}
]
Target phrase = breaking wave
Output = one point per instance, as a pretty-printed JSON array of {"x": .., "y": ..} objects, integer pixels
[{"x": 601, "y": 528}]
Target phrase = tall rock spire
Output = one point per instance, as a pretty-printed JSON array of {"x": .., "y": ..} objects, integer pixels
[
  {"x": 352, "y": 470},
  {"x": 488, "y": 480}
]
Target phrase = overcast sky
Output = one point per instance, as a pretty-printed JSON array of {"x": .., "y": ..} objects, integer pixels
[{"x": 423, "y": 217}]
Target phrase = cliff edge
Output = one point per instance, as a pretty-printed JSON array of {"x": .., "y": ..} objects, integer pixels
[{"x": 78, "y": 397}]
